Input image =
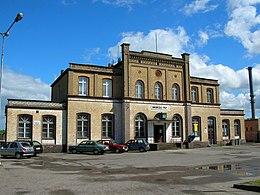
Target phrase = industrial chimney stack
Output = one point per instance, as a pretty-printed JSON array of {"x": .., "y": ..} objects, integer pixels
[{"x": 252, "y": 96}]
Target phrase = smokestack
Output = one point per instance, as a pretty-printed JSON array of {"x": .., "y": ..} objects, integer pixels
[{"x": 252, "y": 96}]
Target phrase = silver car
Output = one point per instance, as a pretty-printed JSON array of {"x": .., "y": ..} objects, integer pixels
[{"x": 18, "y": 149}]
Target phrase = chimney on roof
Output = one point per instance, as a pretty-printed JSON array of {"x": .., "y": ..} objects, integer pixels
[{"x": 252, "y": 96}]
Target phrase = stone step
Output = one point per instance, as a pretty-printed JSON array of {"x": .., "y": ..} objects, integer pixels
[{"x": 165, "y": 146}]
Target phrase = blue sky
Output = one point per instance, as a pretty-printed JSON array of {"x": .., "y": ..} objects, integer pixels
[{"x": 222, "y": 37}]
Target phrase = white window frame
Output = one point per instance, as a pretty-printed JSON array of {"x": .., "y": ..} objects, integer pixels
[
  {"x": 83, "y": 86},
  {"x": 158, "y": 94},
  {"x": 175, "y": 92},
  {"x": 107, "y": 87},
  {"x": 48, "y": 124},
  {"x": 139, "y": 89}
]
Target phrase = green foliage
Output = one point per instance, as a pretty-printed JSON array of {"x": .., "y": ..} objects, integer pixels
[
  {"x": 2, "y": 132},
  {"x": 256, "y": 182}
]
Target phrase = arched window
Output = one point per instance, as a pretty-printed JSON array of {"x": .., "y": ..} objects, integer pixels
[
  {"x": 108, "y": 126},
  {"x": 140, "y": 126},
  {"x": 83, "y": 86},
  {"x": 196, "y": 125},
  {"x": 225, "y": 128},
  {"x": 48, "y": 127},
  {"x": 212, "y": 130},
  {"x": 139, "y": 89},
  {"x": 194, "y": 94},
  {"x": 107, "y": 88},
  {"x": 237, "y": 128},
  {"x": 25, "y": 126},
  {"x": 83, "y": 125},
  {"x": 176, "y": 126},
  {"x": 158, "y": 93},
  {"x": 175, "y": 92},
  {"x": 210, "y": 95}
]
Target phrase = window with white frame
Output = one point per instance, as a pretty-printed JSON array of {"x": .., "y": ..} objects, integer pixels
[
  {"x": 107, "y": 88},
  {"x": 237, "y": 127},
  {"x": 158, "y": 93},
  {"x": 48, "y": 127},
  {"x": 108, "y": 126},
  {"x": 83, "y": 125},
  {"x": 83, "y": 86},
  {"x": 175, "y": 92},
  {"x": 139, "y": 89},
  {"x": 209, "y": 95},
  {"x": 176, "y": 126},
  {"x": 225, "y": 128},
  {"x": 25, "y": 126},
  {"x": 194, "y": 94},
  {"x": 140, "y": 126}
]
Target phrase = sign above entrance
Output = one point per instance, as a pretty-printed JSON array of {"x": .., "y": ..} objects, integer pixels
[{"x": 159, "y": 107}]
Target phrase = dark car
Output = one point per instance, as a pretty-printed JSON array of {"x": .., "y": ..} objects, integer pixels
[
  {"x": 114, "y": 146},
  {"x": 138, "y": 144},
  {"x": 18, "y": 149},
  {"x": 37, "y": 146},
  {"x": 89, "y": 146}
]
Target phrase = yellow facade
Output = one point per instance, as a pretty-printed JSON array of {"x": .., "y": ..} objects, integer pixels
[{"x": 145, "y": 95}]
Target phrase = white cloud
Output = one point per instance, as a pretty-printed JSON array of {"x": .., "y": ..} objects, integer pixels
[
  {"x": 89, "y": 53},
  {"x": 68, "y": 2},
  {"x": 19, "y": 86},
  {"x": 121, "y": 3},
  {"x": 244, "y": 24},
  {"x": 203, "y": 38},
  {"x": 198, "y": 6},
  {"x": 170, "y": 41}
]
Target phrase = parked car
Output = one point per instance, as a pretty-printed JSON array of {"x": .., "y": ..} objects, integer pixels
[
  {"x": 37, "y": 146},
  {"x": 18, "y": 149},
  {"x": 89, "y": 146},
  {"x": 114, "y": 146},
  {"x": 138, "y": 144}
]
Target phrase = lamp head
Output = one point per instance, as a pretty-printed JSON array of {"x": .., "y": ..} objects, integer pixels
[{"x": 19, "y": 17}]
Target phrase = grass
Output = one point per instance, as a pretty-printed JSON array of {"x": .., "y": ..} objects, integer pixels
[{"x": 255, "y": 183}]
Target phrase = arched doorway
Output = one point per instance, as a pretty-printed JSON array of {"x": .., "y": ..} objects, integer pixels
[{"x": 212, "y": 137}]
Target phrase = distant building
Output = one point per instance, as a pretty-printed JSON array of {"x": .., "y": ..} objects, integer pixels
[
  {"x": 145, "y": 95},
  {"x": 252, "y": 130}
]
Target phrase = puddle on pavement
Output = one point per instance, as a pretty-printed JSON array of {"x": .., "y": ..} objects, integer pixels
[{"x": 223, "y": 168}]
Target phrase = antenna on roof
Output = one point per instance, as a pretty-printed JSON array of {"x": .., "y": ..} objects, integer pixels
[{"x": 156, "y": 42}]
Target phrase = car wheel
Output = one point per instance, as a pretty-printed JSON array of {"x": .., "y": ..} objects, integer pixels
[
  {"x": 18, "y": 155},
  {"x": 117, "y": 150},
  {"x": 95, "y": 152},
  {"x": 74, "y": 151},
  {"x": 141, "y": 149}
]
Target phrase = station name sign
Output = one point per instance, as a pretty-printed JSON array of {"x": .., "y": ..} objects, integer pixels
[{"x": 159, "y": 107}]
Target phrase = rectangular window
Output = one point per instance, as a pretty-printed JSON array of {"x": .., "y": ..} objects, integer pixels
[
  {"x": 107, "y": 126},
  {"x": 107, "y": 88},
  {"x": 48, "y": 127},
  {"x": 25, "y": 126},
  {"x": 83, "y": 86}
]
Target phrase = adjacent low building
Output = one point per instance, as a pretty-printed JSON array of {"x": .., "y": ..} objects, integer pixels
[
  {"x": 145, "y": 95},
  {"x": 252, "y": 127}
]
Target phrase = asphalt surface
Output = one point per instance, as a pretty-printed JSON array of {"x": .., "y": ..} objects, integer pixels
[{"x": 212, "y": 170}]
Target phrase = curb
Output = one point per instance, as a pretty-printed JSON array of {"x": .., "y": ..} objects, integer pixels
[{"x": 247, "y": 187}]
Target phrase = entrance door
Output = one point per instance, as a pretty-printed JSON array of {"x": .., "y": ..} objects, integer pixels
[
  {"x": 211, "y": 130},
  {"x": 158, "y": 133}
]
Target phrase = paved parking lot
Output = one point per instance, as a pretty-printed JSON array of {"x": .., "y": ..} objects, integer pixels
[{"x": 211, "y": 170}]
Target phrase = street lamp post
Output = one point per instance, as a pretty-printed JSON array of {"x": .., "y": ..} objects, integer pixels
[{"x": 4, "y": 34}]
